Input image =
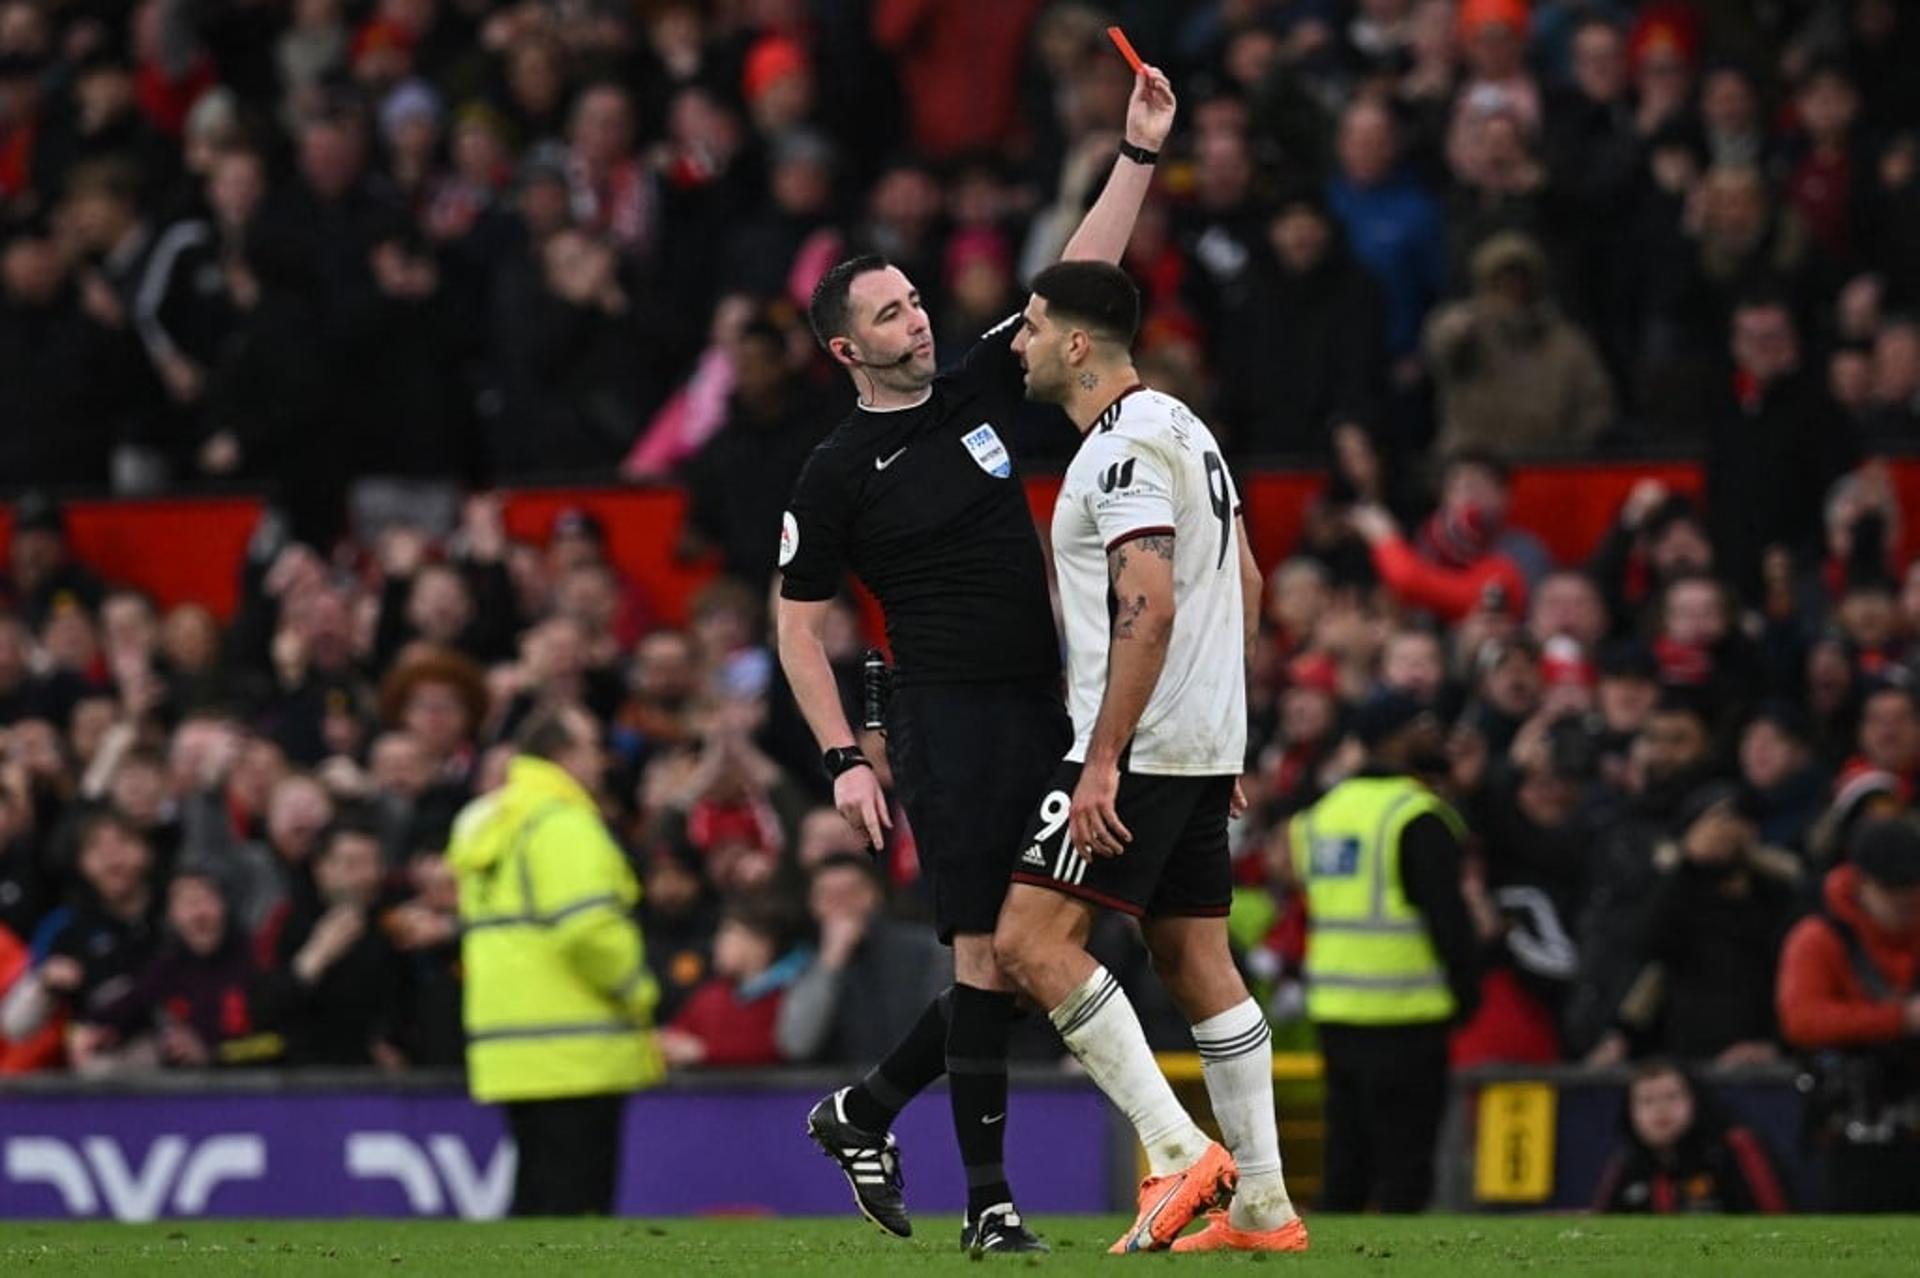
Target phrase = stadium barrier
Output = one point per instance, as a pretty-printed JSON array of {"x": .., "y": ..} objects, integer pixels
[
  {"x": 1522, "y": 1138},
  {"x": 189, "y": 549},
  {"x": 352, "y": 1143},
  {"x": 303, "y": 1145},
  {"x": 1531, "y": 1139}
]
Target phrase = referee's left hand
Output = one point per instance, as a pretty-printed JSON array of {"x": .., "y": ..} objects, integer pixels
[
  {"x": 1150, "y": 110},
  {"x": 1093, "y": 819}
]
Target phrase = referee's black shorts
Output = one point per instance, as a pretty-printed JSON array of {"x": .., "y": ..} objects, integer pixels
[{"x": 970, "y": 762}]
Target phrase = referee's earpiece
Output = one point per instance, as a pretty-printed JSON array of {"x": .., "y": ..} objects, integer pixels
[{"x": 849, "y": 357}]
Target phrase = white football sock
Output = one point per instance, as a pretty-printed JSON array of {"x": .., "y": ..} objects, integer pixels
[
  {"x": 1103, "y": 1033},
  {"x": 1236, "y": 1057}
]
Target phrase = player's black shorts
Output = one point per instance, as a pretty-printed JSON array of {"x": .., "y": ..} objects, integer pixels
[
  {"x": 1177, "y": 864},
  {"x": 970, "y": 761}
]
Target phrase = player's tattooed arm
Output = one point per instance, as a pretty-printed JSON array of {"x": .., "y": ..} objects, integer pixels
[
  {"x": 1131, "y": 606},
  {"x": 1140, "y": 573},
  {"x": 1160, "y": 544}
]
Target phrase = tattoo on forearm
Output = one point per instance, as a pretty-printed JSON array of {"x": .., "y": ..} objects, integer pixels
[
  {"x": 1125, "y": 614},
  {"x": 1160, "y": 544}
]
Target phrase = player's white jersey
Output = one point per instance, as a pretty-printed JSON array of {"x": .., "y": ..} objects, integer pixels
[{"x": 1149, "y": 467}]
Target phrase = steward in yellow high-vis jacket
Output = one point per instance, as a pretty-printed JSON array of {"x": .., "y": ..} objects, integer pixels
[
  {"x": 1392, "y": 959},
  {"x": 559, "y": 998}
]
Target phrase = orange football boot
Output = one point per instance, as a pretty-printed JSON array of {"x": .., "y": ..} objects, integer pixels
[
  {"x": 1168, "y": 1204},
  {"x": 1221, "y": 1236}
]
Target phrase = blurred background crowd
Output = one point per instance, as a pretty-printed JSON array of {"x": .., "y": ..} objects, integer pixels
[{"x": 369, "y": 257}]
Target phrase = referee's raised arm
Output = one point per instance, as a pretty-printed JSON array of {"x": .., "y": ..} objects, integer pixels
[{"x": 1104, "y": 232}]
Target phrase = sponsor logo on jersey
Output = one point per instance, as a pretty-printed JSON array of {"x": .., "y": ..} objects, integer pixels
[
  {"x": 1118, "y": 475},
  {"x": 789, "y": 537},
  {"x": 987, "y": 451}
]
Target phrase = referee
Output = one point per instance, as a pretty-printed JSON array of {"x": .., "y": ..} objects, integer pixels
[{"x": 917, "y": 494}]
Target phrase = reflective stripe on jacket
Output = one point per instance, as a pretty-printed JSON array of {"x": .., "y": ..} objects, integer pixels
[{"x": 558, "y": 997}]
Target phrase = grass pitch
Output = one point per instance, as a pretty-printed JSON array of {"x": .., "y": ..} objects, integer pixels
[{"x": 1479, "y": 1246}]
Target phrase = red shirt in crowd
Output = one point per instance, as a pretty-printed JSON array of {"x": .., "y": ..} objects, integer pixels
[
  {"x": 1452, "y": 594},
  {"x": 1822, "y": 1002},
  {"x": 959, "y": 67},
  {"x": 735, "y": 1032},
  {"x": 43, "y": 1049}
]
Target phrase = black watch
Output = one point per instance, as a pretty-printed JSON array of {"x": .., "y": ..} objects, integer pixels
[
  {"x": 843, "y": 759},
  {"x": 1138, "y": 154}
]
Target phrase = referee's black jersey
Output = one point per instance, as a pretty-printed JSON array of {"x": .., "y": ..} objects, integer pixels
[{"x": 926, "y": 506}]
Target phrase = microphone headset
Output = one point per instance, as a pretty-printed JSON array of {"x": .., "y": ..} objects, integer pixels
[
  {"x": 848, "y": 355},
  {"x": 854, "y": 361}
]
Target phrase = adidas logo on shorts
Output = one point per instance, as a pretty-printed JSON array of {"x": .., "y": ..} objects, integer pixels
[{"x": 1034, "y": 856}]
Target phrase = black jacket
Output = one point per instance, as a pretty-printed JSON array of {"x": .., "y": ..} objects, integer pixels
[
  {"x": 1716, "y": 1167},
  {"x": 738, "y": 484},
  {"x": 1713, "y": 938},
  {"x": 1769, "y": 464},
  {"x": 1295, "y": 353},
  {"x": 356, "y": 1002}
]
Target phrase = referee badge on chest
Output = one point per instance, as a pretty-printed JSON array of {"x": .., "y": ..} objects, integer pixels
[{"x": 988, "y": 451}]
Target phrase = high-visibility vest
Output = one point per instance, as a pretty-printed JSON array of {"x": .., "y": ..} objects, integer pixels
[
  {"x": 1369, "y": 958},
  {"x": 558, "y": 996}
]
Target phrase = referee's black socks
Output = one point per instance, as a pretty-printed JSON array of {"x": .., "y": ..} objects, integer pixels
[
  {"x": 910, "y": 1068},
  {"x": 977, "y": 1082}
]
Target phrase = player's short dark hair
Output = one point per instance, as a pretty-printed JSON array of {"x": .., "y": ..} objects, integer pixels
[
  {"x": 830, "y": 312},
  {"x": 1097, "y": 296}
]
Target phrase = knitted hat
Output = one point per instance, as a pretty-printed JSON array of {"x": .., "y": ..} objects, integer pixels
[
  {"x": 772, "y": 59},
  {"x": 1477, "y": 14},
  {"x": 1888, "y": 852}
]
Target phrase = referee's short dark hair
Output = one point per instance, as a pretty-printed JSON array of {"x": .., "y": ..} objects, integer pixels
[
  {"x": 831, "y": 310},
  {"x": 1097, "y": 296}
]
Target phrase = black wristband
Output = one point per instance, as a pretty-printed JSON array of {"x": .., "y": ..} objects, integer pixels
[
  {"x": 1138, "y": 154},
  {"x": 843, "y": 759}
]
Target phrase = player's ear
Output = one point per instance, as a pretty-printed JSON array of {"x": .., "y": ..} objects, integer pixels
[{"x": 843, "y": 351}]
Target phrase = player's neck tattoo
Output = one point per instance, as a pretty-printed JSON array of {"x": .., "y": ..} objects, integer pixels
[{"x": 1089, "y": 380}]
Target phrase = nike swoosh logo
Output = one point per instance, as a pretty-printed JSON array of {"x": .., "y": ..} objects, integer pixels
[
  {"x": 988, "y": 1122},
  {"x": 1144, "y": 1230},
  {"x": 880, "y": 463}
]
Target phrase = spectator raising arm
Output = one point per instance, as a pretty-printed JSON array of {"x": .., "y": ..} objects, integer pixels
[{"x": 1451, "y": 593}]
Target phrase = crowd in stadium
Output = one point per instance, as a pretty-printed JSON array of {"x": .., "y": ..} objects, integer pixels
[{"x": 295, "y": 246}]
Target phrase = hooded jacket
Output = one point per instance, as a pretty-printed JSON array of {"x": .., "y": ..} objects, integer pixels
[
  {"x": 1523, "y": 380},
  {"x": 1822, "y": 1001},
  {"x": 559, "y": 997}
]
